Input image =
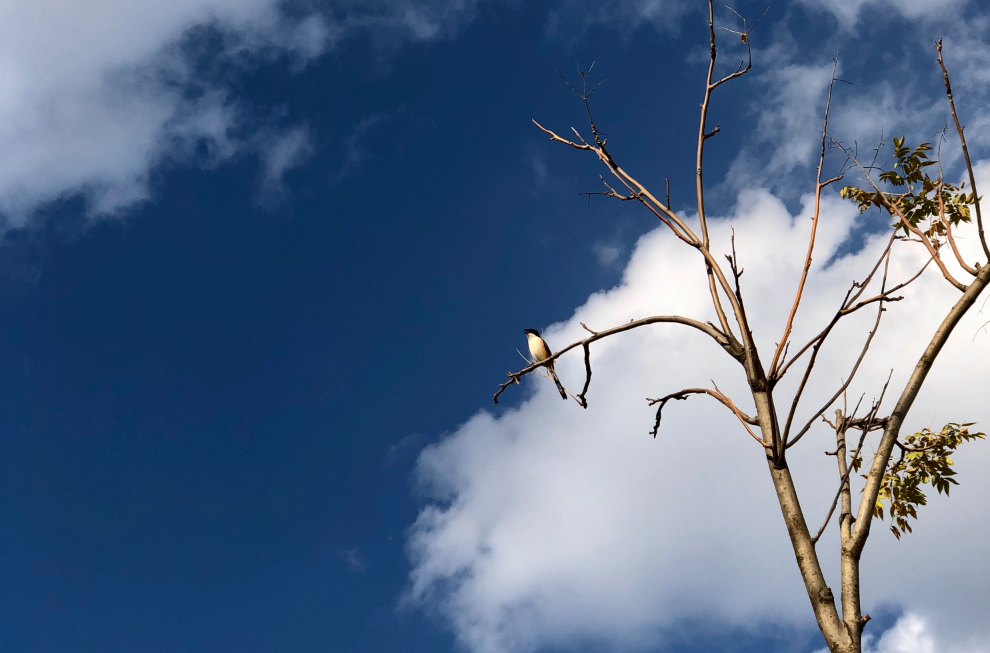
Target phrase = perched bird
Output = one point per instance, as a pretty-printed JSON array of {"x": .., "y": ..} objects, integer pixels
[{"x": 540, "y": 352}]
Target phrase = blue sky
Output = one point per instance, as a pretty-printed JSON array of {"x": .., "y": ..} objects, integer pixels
[{"x": 263, "y": 264}]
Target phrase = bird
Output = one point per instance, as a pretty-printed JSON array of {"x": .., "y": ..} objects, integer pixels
[{"x": 540, "y": 352}]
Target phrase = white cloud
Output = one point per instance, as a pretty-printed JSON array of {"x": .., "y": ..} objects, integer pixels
[
  {"x": 607, "y": 253},
  {"x": 967, "y": 54},
  {"x": 281, "y": 152},
  {"x": 94, "y": 95},
  {"x": 354, "y": 560},
  {"x": 551, "y": 524},
  {"x": 356, "y": 152},
  {"x": 848, "y": 12},
  {"x": 784, "y": 149},
  {"x": 909, "y": 635},
  {"x": 791, "y": 111},
  {"x": 791, "y": 117},
  {"x": 571, "y": 18}
]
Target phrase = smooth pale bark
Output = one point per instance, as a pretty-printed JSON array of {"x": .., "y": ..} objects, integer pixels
[
  {"x": 844, "y": 635},
  {"x": 904, "y": 403},
  {"x": 819, "y": 594}
]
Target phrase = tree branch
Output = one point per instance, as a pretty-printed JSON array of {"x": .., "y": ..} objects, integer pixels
[
  {"x": 948, "y": 228},
  {"x": 583, "y": 397},
  {"x": 927, "y": 243},
  {"x": 855, "y": 292},
  {"x": 904, "y": 403},
  {"x": 965, "y": 149},
  {"x": 886, "y": 295},
  {"x": 814, "y": 229},
  {"x": 669, "y": 218},
  {"x": 707, "y": 329},
  {"x": 843, "y": 424},
  {"x": 722, "y": 398},
  {"x": 896, "y": 210},
  {"x": 637, "y": 192},
  {"x": 700, "y": 158},
  {"x": 852, "y": 374}
]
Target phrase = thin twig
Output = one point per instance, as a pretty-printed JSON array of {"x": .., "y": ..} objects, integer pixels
[
  {"x": 895, "y": 210},
  {"x": 681, "y": 395},
  {"x": 965, "y": 149},
  {"x": 855, "y": 292},
  {"x": 852, "y": 374},
  {"x": 704, "y": 135},
  {"x": 814, "y": 229},
  {"x": 947, "y": 223},
  {"x": 676, "y": 224},
  {"x": 583, "y": 397},
  {"x": 870, "y": 424}
]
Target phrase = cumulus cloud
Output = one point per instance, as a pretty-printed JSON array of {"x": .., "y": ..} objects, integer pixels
[
  {"x": 790, "y": 108},
  {"x": 549, "y": 524},
  {"x": 790, "y": 112},
  {"x": 93, "y": 97},
  {"x": 909, "y": 635}
]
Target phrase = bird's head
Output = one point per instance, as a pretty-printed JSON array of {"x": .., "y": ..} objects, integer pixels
[{"x": 531, "y": 332}]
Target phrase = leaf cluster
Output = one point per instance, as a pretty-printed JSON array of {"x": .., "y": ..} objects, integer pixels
[
  {"x": 925, "y": 459},
  {"x": 915, "y": 194}
]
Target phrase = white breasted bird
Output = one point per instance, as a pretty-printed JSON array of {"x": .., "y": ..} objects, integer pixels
[{"x": 540, "y": 351}]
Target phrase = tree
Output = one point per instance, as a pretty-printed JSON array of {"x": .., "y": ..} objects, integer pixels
[{"x": 926, "y": 211}]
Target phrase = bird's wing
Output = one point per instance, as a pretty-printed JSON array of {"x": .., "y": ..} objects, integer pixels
[{"x": 546, "y": 353}]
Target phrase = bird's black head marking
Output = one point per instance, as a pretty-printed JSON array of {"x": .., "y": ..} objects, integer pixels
[{"x": 532, "y": 331}]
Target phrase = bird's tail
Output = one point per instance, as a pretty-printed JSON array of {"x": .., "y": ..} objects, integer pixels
[{"x": 560, "y": 387}]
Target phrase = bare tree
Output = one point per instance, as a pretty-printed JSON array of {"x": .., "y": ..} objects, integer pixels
[{"x": 926, "y": 211}]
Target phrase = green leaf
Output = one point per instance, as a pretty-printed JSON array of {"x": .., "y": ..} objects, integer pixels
[{"x": 926, "y": 459}]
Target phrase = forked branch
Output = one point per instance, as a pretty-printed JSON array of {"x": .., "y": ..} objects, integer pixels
[
  {"x": 722, "y": 398},
  {"x": 842, "y": 424},
  {"x": 717, "y": 281},
  {"x": 636, "y": 191},
  {"x": 671, "y": 220},
  {"x": 704, "y": 135}
]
